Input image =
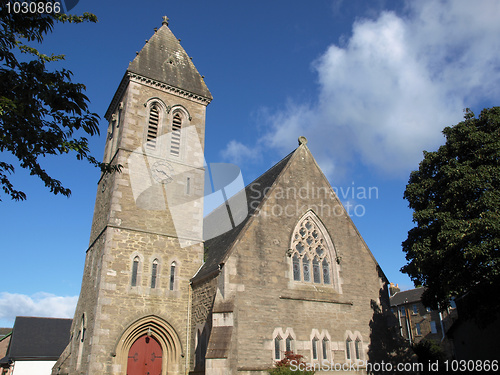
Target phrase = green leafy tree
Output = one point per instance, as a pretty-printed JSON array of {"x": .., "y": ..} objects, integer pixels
[
  {"x": 41, "y": 110},
  {"x": 454, "y": 248}
]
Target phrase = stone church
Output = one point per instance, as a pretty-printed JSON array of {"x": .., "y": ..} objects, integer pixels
[{"x": 291, "y": 273}]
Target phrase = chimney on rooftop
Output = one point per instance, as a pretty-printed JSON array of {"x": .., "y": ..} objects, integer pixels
[{"x": 393, "y": 289}]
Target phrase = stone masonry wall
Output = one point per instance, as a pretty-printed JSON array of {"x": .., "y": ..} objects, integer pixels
[{"x": 259, "y": 274}]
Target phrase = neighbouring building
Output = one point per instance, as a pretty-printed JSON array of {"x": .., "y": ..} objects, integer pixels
[
  {"x": 35, "y": 345},
  {"x": 418, "y": 322},
  {"x": 290, "y": 271}
]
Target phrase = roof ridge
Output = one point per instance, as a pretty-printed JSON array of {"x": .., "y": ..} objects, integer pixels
[{"x": 224, "y": 242}]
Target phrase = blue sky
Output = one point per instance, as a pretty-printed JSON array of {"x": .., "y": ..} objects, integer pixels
[{"x": 370, "y": 84}]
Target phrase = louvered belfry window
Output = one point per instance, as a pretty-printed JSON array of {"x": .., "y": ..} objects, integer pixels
[
  {"x": 175, "y": 146},
  {"x": 154, "y": 120}
]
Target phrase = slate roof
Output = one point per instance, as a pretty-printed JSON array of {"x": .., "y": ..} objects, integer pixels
[
  {"x": 163, "y": 59},
  {"x": 4, "y": 332},
  {"x": 216, "y": 249},
  {"x": 407, "y": 296},
  {"x": 39, "y": 338}
]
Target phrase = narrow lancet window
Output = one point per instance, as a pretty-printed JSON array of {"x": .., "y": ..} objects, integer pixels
[
  {"x": 326, "y": 271},
  {"x": 135, "y": 269},
  {"x": 154, "y": 121},
  {"x": 172, "y": 276},
  {"x": 325, "y": 348},
  {"x": 154, "y": 273},
  {"x": 277, "y": 348},
  {"x": 316, "y": 271},
  {"x": 306, "y": 265},
  {"x": 315, "y": 348},
  {"x": 348, "y": 348},
  {"x": 296, "y": 267},
  {"x": 357, "y": 349},
  {"x": 288, "y": 344},
  {"x": 175, "y": 146}
]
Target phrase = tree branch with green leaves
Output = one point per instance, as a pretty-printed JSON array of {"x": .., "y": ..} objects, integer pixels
[{"x": 40, "y": 109}]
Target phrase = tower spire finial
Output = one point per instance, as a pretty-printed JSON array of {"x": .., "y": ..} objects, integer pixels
[{"x": 165, "y": 21}]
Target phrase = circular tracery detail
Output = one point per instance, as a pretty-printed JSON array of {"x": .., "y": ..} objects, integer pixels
[{"x": 310, "y": 261}]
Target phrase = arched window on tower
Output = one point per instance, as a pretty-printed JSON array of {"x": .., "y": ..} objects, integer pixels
[
  {"x": 153, "y": 126},
  {"x": 135, "y": 270},
  {"x": 175, "y": 140},
  {"x": 172, "y": 276},
  {"x": 154, "y": 273}
]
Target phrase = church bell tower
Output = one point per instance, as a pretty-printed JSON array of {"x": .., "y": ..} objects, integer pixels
[{"x": 133, "y": 314}]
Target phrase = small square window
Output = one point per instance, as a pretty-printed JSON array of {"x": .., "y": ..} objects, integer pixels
[{"x": 415, "y": 309}]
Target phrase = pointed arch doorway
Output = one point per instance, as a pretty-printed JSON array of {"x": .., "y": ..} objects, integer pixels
[
  {"x": 149, "y": 346},
  {"x": 145, "y": 357}
]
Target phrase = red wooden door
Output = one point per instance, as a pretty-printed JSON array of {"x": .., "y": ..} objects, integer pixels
[{"x": 144, "y": 357}]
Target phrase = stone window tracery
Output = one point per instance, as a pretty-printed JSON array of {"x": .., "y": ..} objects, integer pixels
[{"x": 311, "y": 252}]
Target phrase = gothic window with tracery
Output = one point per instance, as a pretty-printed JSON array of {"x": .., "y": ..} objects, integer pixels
[{"x": 311, "y": 259}]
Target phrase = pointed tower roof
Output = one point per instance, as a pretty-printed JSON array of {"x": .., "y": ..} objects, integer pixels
[{"x": 163, "y": 59}]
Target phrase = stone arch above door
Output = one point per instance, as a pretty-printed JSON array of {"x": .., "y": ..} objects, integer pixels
[{"x": 161, "y": 331}]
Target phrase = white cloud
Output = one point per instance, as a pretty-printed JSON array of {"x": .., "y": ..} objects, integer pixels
[
  {"x": 237, "y": 153},
  {"x": 40, "y": 304},
  {"x": 387, "y": 93}
]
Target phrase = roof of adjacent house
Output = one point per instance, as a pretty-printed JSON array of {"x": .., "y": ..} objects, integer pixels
[
  {"x": 39, "y": 338},
  {"x": 4, "y": 332},
  {"x": 163, "y": 59},
  {"x": 217, "y": 248},
  {"x": 407, "y": 296}
]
